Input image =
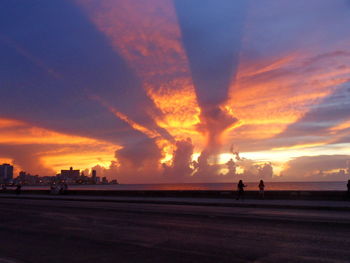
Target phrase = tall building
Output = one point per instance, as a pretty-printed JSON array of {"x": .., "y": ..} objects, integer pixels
[
  {"x": 6, "y": 173},
  {"x": 70, "y": 174},
  {"x": 93, "y": 176}
]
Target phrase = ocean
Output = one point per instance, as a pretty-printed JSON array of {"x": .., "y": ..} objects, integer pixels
[{"x": 306, "y": 186}]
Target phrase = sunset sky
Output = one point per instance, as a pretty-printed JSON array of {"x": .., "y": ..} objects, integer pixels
[{"x": 138, "y": 89}]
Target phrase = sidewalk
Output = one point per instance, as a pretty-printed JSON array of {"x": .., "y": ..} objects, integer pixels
[{"x": 280, "y": 204}]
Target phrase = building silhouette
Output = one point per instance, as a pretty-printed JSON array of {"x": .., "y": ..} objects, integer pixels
[
  {"x": 104, "y": 180},
  {"x": 26, "y": 178},
  {"x": 94, "y": 177},
  {"x": 6, "y": 173},
  {"x": 69, "y": 175}
]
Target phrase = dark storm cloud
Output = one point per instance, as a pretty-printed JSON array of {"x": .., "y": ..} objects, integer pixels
[{"x": 53, "y": 60}]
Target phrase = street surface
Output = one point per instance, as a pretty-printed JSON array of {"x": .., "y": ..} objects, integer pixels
[{"x": 83, "y": 231}]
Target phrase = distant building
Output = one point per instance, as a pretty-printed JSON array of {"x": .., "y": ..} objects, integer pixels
[
  {"x": 94, "y": 177},
  {"x": 47, "y": 180},
  {"x": 98, "y": 180},
  {"x": 26, "y": 178},
  {"x": 104, "y": 180},
  {"x": 6, "y": 173},
  {"x": 70, "y": 175}
]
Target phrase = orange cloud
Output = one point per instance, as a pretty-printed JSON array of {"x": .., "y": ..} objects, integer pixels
[
  {"x": 178, "y": 119},
  {"x": 6, "y": 160},
  {"x": 164, "y": 145},
  {"x": 342, "y": 126},
  {"x": 79, "y": 160},
  {"x": 300, "y": 146},
  {"x": 147, "y": 36},
  {"x": 5, "y": 123},
  {"x": 17, "y": 132},
  {"x": 134, "y": 125},
  {"x": 51, "y": 149},
  {"x": 267, "y": 96}
]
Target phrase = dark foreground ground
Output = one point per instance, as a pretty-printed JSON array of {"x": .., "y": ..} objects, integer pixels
[{"x": 75, "y": 231}]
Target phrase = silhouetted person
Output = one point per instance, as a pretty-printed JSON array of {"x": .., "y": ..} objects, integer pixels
[
  {"x": 348, "y": 185},
  {"x": 52, "y": 188},
  {"x": 262, "y": 189},
  {"x": 240, "y": 188},
  {"x": 18, "y": 189},
  {"x": 63, "y": 188}
]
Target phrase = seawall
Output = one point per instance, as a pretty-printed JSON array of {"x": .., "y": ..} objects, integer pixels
[{"x": 269, "y": 195}]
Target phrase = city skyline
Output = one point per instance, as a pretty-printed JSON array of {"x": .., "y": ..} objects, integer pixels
[
  {"x": 67, "y": 176},
  {"x": 172, "y": 90}
]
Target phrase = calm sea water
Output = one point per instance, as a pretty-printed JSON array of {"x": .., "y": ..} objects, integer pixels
[{"x": 309, "y": 186}]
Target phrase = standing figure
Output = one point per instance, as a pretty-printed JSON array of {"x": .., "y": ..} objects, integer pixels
[
  {"x": 18, "y": 189},
  {"x": 262, "y": 189},
  {"x": 240, "y": 188},
  {"x": 65, "y": 188}
]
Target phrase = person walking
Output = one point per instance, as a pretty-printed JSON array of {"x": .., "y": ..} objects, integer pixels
[
  {"x": 240, "y": 188},
  {"x": 262, "y": 189},
  {"x": 65, "y": 187},
  {"x": 18, "y": 189}
]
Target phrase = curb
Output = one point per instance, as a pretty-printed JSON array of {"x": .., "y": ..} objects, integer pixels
[{"x": 171, "y": 202}]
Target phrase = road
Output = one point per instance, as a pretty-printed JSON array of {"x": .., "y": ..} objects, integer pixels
[{"x": 80, "y": 231}]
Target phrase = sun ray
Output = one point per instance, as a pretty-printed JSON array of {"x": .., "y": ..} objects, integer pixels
[{"x": 147, "y": 36}]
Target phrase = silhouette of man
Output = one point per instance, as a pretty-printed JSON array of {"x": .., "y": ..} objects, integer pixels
[
  {"x": 240, "y": 188},
  {"x": 262, "y": 189},
  {"x": 18, "y": 189}
]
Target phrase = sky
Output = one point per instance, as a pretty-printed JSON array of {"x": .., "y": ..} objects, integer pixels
[{"x": 152, "y": 91}]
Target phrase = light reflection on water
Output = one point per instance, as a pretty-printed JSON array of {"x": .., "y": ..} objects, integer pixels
[{"x": 309, "y": 186}]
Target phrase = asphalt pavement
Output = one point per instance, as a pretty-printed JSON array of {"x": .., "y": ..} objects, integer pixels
[{"x": 84, "y": 231}]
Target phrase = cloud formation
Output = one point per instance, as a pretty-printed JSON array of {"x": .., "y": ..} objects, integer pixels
[
  {"x": 323, "y": 167},
  {"x": 121, "y": 86},
  {"x": 211, "y": 35}
]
